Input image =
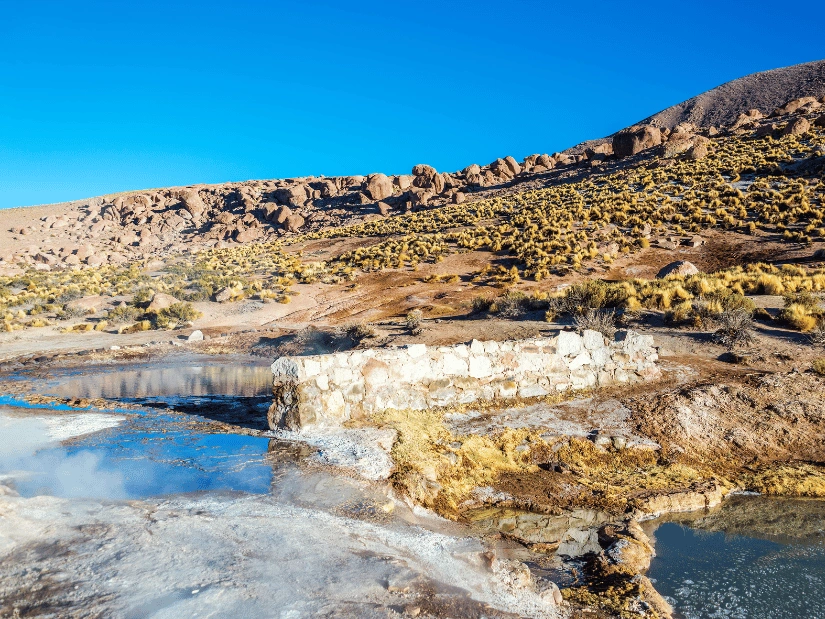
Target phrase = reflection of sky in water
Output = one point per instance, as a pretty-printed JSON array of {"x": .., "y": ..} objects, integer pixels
[
  {"x": 155, "y": 454},
  {"x": 713, "y": 575}
]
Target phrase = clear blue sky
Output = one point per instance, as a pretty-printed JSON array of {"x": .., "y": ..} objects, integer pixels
[{"x": 97, "y": 97}]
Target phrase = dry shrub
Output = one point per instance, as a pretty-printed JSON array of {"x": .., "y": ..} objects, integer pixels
[
  {"x": 818, "y": 366},
  {"x": 597, "y": 320},
  {"x": 735, "y": 329},
  {"x": 482, "y": 304},
  {"x": 413, "y": 321}
]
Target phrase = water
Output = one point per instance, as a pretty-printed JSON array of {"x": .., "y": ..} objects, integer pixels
[{"x": 753, "y": 557}]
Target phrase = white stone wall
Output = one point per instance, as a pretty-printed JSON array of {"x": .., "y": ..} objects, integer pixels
[{"x": 330, "y": 389}]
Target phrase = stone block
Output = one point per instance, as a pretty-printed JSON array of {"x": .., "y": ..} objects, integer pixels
[{"x": 569, "y": 344}]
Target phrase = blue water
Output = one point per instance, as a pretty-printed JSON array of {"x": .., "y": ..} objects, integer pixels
[
  {"x": 752, "y": 573},
  {"x": 166, "y": 444}
]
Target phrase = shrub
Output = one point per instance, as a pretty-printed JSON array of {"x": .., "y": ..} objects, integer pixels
[
  {"x": 123, "y": 314},
  {"x": 482, "y": 304},
  {"x": 818, "y": 366},
  {"x": 511, "y": 304},
  {"x": 735, "y": 329},
  {"x": 413, "y": 321},
  {"x": 798, "y": 317},
  {"x": 68, "y": 312},
  {"x": 353, "y": 333},
  {"x": 578, "y": 298},
  {"x": 597, "y": 320}
]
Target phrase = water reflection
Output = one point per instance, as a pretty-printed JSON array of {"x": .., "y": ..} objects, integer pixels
[
  {"x": 187, "y": 379},
  {"x": 751, "y": 557}
]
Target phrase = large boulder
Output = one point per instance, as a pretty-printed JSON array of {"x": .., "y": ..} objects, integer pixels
[
  {"x": 636, "y": 139},
  {"x": 793, "y": 105},
  {"x": 424, "y": 175},
  {"x": 193, "y": 203},
  {"x": 746, "y": 119},
  {"x": 512, "y": 165},
  {"x": 797, "y": 126},
  {"x": 681, "y": 268},
  {"x": 294, "y": 223},
  {"x": 296, "y": 195},
  {"x": 161, "y": 301},
  {"x": 820, "y": 122},
  {"x": 379, "y": 186}
]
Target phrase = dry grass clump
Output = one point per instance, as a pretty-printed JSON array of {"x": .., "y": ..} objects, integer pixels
[
  {"x": 597, "y": 320},
  {"x": 802, "y": 311},
  {"x": 818, "y": 366}
]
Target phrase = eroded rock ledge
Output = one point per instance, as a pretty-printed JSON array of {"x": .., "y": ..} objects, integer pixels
[{"x": 327, "y": 390}]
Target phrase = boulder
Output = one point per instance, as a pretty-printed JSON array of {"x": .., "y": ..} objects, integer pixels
[
  {"x": 764, "y": 131},
  {"x": 248, "y": 234},
  {"x": 698, "y": 151},
  {"x": 293, "y": 223},
  {"x": 746, "y": 118},
  {"x": 636, "y": 139},
  {"x": 681, "y": 268},
  {"x": 404, "y": 181},
  {"x": 161, "y": 301},
  {"x": 471, "y": 169},
  {"x": 512, "y": 165},
  {"x": 384, "y": 209},
  {"x": 423, "y": 175},
  {"x": 379, "y": 186},
  {"x": 295, "y": 195},
  {"x": 820, "y": 122},
  {"x": 458, "y": 197},
  {"x": 195, "y": 336},
  {"x": 677, "y": 144},
  {"x": 793, "y": 105},
  {"x": 797, "y": 126},
  {"x": 193, "y": 203},
  {"x": 88, "y": 304}
]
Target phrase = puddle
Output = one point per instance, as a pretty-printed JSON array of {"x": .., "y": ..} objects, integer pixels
[{"x": 750, "y": 557}]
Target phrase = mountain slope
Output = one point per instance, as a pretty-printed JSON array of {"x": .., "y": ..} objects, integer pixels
[{"x": 763, "y": 91}]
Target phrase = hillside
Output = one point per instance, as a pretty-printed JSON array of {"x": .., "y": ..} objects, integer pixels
[{"x": 764, "y": 91}]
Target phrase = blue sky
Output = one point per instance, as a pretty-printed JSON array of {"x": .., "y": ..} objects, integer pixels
[{"x": 97, "y": 97}]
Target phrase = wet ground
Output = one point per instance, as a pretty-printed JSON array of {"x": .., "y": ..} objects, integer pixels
[
  {"x": 151, "y": 509},
  {"x": 145, "y": 510}
]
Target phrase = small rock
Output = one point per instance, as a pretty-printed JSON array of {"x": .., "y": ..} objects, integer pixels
[
  {"x": 161, "y": 301},
  {"x": 195, "y": 336}
]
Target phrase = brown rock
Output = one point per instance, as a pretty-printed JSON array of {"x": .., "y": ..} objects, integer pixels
[
  {"x": 698, "y": 151},
  {"x": 764, "y": 131},
  {"x": 746, "y": 118},
  {"x": 404, "y": 181},
  {"x": 161, "y": 301},
  {"x": 471, "y": 169},
  {"x": 424, "y": 176},
  {"x": 294, "y": 223},
  {"x": 379, "y": 186},
  {"x": 193, "y": 203},
  {"x": 636, "y": 139},
  {"x": 682, "y": 268},
  {"x": 793, "y": 105},
  {"x": 383, "y": 208},
  {"x": 296, "y": 195},
  {"x": 281, "y": 214},
  {"x": 512, "y": 165},
  {"x": 797, "y": 126},
  {"x": 248, "y": 234},
  {"x": 820, "y": 122},
  {"x": 89, "y": 304},
  {"x": 458, "y": 197}
]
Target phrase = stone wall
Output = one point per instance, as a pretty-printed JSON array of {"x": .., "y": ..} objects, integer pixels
[{"x": 327, "y": 390}]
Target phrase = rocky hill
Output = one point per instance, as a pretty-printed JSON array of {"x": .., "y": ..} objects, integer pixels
[
  {"x": 139, "y": 225},
  {"x": 765, "y": 91}
]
